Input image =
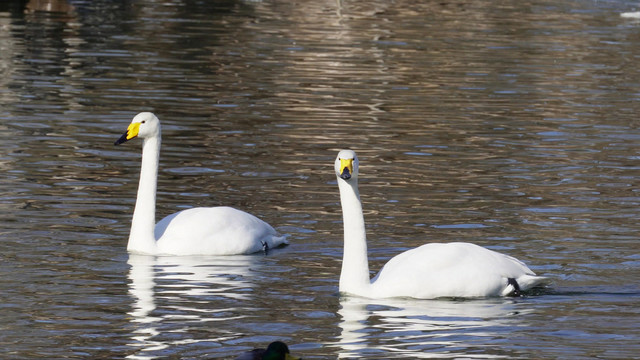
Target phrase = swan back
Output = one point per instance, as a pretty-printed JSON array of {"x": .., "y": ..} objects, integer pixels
[
  {"x": 452, "y": 270},
  {"x": 217, "y": 230}
]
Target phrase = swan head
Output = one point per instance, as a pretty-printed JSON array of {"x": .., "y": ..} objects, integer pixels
[
  {"x": 346, "y": 165},
  {"x": 144, "y": 125}
]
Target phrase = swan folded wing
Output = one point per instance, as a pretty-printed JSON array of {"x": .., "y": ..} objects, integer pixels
[
  {"x": 214, "y": 231},
  {"x": 449, "y": 270}
]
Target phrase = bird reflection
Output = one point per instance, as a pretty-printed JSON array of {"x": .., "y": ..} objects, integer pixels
[
  {"x": 172, "y": 293},
  {"x": 61, "y": 6},
  {"x": 420, "y": 328}
]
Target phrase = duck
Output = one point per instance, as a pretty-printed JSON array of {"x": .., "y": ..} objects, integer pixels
[
  {"x": 433, "y": 270},
  {"x": 277, "y": 350},
  {"x": 220, "y": 230}
]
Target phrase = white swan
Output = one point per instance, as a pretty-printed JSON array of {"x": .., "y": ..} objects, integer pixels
[
  {"x": 426, "y": 272},
  {"x": 196, "y": 231}
]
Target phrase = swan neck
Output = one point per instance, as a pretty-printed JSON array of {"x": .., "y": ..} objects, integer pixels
[
  {"x": 141, "y": 237},
  {"x": 354, "y": 277}
]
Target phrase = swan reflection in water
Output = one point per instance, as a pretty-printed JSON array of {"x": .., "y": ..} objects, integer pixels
[
  {"x": 174, "y": 293},
  {"x": 424, "y": 328}
]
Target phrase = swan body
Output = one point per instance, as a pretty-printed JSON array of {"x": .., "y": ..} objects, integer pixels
[
  {"x": 196, "y": 231},
  {"x": 430, "y": 271}
]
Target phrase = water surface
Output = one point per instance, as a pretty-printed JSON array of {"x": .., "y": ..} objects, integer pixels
[{"x": 512, "y": 126}]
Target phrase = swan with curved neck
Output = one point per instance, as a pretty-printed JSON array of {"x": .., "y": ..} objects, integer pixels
[
  {"x": 196, "y": 231},
  {"x": 430, "y": 271}
]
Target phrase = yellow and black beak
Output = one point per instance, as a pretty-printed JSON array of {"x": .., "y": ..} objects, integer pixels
[
  {"x": 132, "y": 131},
  {"x": 346, "y": 168}
]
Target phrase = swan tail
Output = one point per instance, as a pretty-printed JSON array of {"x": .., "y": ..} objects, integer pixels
[
  {"x": 515, "y": 287},
  {"x": 279, "y": 241},
  {"x": 512, "y": 289},
  {"x": 274, "y": 242}
]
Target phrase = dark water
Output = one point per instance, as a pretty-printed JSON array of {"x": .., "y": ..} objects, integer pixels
[{"x": 508, "y": 124}]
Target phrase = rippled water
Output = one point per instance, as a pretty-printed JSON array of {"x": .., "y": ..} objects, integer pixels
[{"x": 510, "y": 125}]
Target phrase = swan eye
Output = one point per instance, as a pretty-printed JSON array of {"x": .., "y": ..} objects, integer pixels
[{"x": 144, "y": 121}]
